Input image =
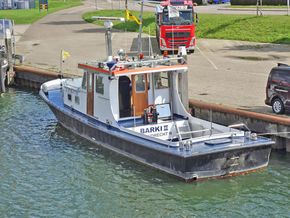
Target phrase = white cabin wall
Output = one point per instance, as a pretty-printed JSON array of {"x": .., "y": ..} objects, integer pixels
[
  {"x": 178, "y": 107},
  {"x": 102, "y": 102},
  {"x": 114, "y": 96},
  {"x": 74, "y": 90}
]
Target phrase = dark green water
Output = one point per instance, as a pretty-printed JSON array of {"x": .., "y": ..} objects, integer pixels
[{"x": 45, "y": 171}]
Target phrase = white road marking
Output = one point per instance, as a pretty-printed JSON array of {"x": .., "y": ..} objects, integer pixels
[{"x": 212, "y": 63}]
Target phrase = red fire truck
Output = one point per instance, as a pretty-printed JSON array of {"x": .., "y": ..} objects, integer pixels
[{"x": 175, "y": 25}]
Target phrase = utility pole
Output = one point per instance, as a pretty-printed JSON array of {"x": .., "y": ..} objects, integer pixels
[
  {"x": 140, "y": 29},
  {"x": 126, "y": 4}
]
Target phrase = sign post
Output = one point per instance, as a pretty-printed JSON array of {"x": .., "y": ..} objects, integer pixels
[{"x": 43, "y": 5}]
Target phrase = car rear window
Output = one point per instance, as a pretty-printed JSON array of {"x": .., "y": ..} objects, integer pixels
[{"x": 280, "y": 75}]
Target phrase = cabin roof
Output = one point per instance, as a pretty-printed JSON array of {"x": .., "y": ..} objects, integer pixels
[{"x": 123, "y": 68}]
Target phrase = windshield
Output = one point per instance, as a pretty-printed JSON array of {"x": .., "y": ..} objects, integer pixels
[{"x": 185, "y": 17}]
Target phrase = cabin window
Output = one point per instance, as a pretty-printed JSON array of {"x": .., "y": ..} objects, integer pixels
[
  {"x": 161, "y": 80},
  {"x": 84, "y": 82},
  {"x": 69, "y": 97},
  {"x": 99, "y": 85},
  {"x": 140, "y": 83},
  {"x": 77, "y": 99}
]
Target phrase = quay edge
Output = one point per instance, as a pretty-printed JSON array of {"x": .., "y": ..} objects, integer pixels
[{"x": 257, "y": 122}]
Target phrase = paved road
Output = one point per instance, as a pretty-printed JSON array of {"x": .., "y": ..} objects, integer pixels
[{"x": 227, "y": 72}]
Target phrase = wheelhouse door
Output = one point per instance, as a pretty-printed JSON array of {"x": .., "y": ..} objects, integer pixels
[
  {"x": 90, "y": 94},
  {"x": 139, "y": 94}
]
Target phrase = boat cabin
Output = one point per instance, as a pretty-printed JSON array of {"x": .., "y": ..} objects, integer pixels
[{"x": 131, "y": 94}]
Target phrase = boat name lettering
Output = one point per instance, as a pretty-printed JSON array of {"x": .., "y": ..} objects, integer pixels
[
  {"x": 154, "y": 129},
  {"x": 160, "y": 134}
]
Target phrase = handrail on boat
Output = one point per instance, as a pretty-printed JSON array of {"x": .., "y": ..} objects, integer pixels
[
  {"x": 120, "y": 63},
  {"x": 238, "y": 125},
  {"x": 214, "y": 136},
  {"x": 195, "y": 131}
]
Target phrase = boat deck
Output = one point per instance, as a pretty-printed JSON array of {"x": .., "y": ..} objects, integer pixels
[{"x": 207, "y": 145}]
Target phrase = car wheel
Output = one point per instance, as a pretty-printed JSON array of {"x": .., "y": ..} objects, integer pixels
[{"x": 278, "y": 106}]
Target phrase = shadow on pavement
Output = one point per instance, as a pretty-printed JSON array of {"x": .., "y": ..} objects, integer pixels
[
  {"x": 66, "y": 22},
  {"x": 95, "y": 30},
  {"x": 260, "y": 48},
  {"x": 259, "y": 58}
]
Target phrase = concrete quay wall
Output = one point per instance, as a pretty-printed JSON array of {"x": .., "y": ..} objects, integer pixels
[{"x": 32, "y": 77}]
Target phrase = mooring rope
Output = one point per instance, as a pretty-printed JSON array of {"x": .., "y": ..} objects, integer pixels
[{"x": 272, "y": 133}]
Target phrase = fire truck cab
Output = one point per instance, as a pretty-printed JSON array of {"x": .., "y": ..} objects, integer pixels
[{"x": 175, "y": 25}]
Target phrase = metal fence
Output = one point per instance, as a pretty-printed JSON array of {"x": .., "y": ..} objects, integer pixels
[{"x": 254, "y": 2}]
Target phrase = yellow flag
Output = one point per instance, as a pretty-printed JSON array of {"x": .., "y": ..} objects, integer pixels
[
  {"x": 64, "y": 55},
  {"x": 130, "y": 16}
]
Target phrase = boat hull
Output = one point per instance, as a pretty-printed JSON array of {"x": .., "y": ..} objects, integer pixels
[{"x": 189, "y": 167}]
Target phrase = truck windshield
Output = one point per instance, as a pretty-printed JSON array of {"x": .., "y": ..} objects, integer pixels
[{"x": 185, "y": 18}]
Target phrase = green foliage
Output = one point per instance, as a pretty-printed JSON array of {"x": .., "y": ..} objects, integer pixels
[
  {"x": 271, "y": 29},
  {"x": 31, "y": 15},
  {"x": 130, "y": 26}
]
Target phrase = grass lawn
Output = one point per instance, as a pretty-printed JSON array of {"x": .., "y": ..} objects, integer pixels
[
  {"x": 272, "y": 29},
  {"x": 31, "y": 15}
]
